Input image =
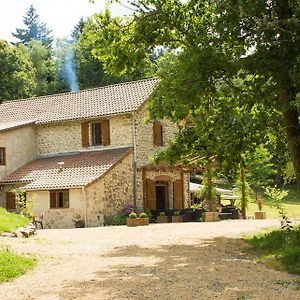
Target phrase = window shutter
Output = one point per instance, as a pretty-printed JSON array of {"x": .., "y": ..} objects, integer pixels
[
  {"x": 10, "y": 201},
  {"x": 178, "y": 195},
  {"x": 105, "y": 132},
  {"x": 151, "y": 195},
  {"x": 85, "y": 135},
  {"x": 157, "y": 134}
]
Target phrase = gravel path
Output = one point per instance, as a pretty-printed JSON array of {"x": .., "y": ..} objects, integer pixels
[{"x": 159, "y": 261}]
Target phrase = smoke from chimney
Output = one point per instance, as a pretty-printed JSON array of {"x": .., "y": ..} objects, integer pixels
[{"x": 69, "y": 70}]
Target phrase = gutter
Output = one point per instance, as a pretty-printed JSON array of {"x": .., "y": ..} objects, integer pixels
[
  {"x": 134, "y": 164},
  {"x": 84, "y": 207}
]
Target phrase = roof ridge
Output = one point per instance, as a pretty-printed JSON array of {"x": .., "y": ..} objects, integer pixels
[{"x": 85, "y": 90}]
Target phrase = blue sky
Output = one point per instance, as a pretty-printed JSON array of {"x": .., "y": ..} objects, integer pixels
[{"x": 60, "y": 15}]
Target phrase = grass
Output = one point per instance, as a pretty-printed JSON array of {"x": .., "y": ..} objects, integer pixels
[
  {"x": 291, "y": 205},
  {"x": 279, "y": 249},
  {"x": 13, "y": 265},
  {"x": 10, "y": 221}
]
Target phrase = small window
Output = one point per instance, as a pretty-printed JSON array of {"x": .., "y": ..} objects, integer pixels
[
  {"x": 59, "y": 199},
  {"x": 157, "y": 134},
  {"x": 96, "y": 134},
  {"x": 2, "y": 156}
]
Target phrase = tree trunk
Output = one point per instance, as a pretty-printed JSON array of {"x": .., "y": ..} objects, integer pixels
[
  {"x": 292, "y": 127},
  {"x": 209, "y": 183},
  {"x": 243, "y": 196}
]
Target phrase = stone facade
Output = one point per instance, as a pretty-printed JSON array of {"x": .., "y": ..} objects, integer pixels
[
  {"x": 66, "y": 137},
  {"x": 108, "y": 195},
  {"x": 20, "y": 148}
]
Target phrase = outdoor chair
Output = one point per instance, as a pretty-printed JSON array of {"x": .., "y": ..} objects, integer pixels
[{"x": 38, "y": 220}]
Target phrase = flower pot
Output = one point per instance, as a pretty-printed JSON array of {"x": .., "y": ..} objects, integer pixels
[
  {"x": 143, "y": 221},
  {"x": 211, "y": 216},
  {"x": 79, "y": 224},
  {"x": 260, "y": 215},
  {"x": 162, "y": 219},
  {"x": 177, "y": 219},
  {"x": 137, "y": 222}
]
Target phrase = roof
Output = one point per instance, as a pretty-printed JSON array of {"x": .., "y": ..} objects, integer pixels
[
  {"x": 104, "y": 101},
  {"x": 79, "y": 169},
  {"x": 195, "y": 186},
  {"x": 13, "y": 125}
]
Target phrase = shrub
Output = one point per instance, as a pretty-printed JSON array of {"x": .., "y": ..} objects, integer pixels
[
  {"x": 176, "y": 213},
  {"x": 143, "y": 215},
  {"x": 132, "y": 215},
  {"x": 162, "y": 214},
  {"x": 117, "y": 220},
  {"x": 127, "y": 209}
]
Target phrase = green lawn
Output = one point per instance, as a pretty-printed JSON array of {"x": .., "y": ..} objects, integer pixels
[
  {"x": 12, "y": 265},
  {"x": 10, "y": 221},
  {"x": 279, "y": 249}
]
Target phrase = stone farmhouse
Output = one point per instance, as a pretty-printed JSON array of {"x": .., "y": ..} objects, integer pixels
[{"x": 86, "y": 154}]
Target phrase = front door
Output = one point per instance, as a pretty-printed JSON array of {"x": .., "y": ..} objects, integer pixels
[{"x": 162, "y": 195}]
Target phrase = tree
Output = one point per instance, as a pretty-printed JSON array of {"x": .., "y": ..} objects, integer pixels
[
  {"x": 46, "y": 78},
  {"x": 35, "y": 29},
  {"x": 17, "y": 74},
  {"x": 217, "y": 43}
]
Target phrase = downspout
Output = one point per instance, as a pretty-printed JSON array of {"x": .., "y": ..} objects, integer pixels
[
  {"x": 134, "y": 164},
  {"x": 84, "y": 207}
]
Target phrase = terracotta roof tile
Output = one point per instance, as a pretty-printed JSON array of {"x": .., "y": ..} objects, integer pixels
[
  {"x": 78, "y": 169},
  {"x": 103, "y": 101}
]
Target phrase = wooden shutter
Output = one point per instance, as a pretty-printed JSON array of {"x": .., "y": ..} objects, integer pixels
[
  {"x": 151, "y": 195},
  {"x": 178, "y": 195},
  {"x": 157, "y": 134},
  {"x": 85, "y": 135},
  {"x": 105, "y": 132},
  {"x": 10, "y": 201}
]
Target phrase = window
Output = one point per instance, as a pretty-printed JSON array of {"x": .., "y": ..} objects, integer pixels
[
  {"x": 59, "y": 199},
  {"x": 2, "y": 156},
  {"x": 95, "y": 133},
  {"x": 157, "y": 134}
]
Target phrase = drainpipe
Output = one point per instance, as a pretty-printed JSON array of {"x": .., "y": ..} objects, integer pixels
[
  {"x": 84, "y": 207},
  {"x": 135, "y": 188}
]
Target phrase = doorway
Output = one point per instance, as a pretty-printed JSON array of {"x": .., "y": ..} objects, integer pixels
[{"x": 162, "y": 195}]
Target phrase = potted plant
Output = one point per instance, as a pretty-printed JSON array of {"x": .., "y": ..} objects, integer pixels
[
  {"x": 177, "y": 217},
  {"x": 260, "y": 214},
  {"x": 132, "y": 219},
  {"x": 79, "y": 222},
  {"x": 162, "y": 218},
  {"x": 212, "y": 213},
  {"x": 143, "y": 219}
]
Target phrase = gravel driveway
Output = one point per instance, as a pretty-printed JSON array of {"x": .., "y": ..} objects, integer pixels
[{"x": 159, "y": 261}]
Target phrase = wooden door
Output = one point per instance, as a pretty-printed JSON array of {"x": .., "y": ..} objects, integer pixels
[
  {"x": 151, "y": 194},
  {"x": 10, "y": 201},
  {"x": 178, "y": 195}
]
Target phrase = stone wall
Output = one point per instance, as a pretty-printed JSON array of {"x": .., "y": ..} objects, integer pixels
[
  {"x": 108, "y": 195},
  {"x": 144, "y": 137},
  {"x": 19, "y": 147},
  {"x": 66, "y": 136}
]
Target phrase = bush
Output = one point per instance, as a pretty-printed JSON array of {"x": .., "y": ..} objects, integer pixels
[
  {"x": 117, "y": 220},
  {"x": 176, "y": 213},
  {"x": 127, "y": 209},
  {"x": 143, "y": 215},
  {"x": 162, "y": 214},
  {"x": 132, "y": 215}
]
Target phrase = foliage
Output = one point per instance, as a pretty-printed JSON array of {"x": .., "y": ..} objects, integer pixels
[
  {"x": 117, "y": 220},
  {"x": 289, "y": 173},
  {"x": 195, "y": 206},
  {"x": 232, "y": 75},
  {"x": 25, "y": 203},
  {"x": 127, "y": 209},
  {"x": 11, "y": 221},
  {"x": 176, "y": 213},
  {"x": 34, "y": 29},
  {"x": 143, "y": 215},
  {"x": 162, "y": 214},
  {"x": 277, "y": 196},
  {"x": 279, "y": 249},
  {"x": 17, "y": 73},
  {"x": 132, "y": 215}
]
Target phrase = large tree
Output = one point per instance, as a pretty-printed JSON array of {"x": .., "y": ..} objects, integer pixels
[
  {"x": 34, "y": 29},
  {"x": 217, "y": 42},
  {"x": 17, "y": 74}
]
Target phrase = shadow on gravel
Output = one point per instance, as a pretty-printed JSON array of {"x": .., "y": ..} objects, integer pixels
[{"x": 214, "y": 269}]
